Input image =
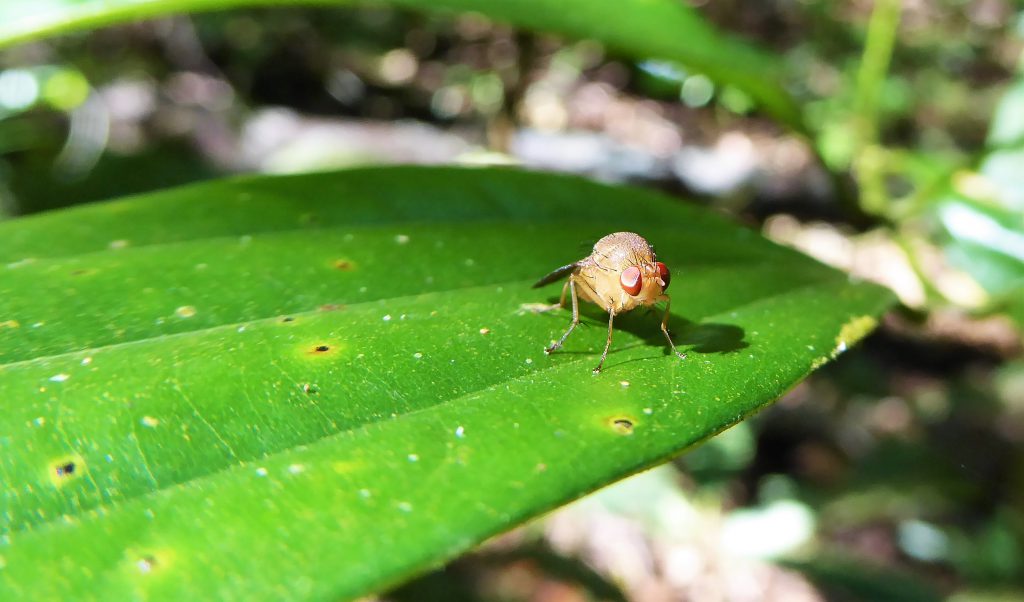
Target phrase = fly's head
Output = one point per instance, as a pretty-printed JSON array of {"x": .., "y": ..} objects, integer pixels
[
  {"x": 645, "y": 282},
  {"x": 640, "y": 279}
]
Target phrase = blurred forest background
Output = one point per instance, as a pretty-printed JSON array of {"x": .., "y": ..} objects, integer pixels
[{"x": 896, "y": 473}]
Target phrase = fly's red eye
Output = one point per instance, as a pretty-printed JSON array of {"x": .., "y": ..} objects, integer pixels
[
  {"x": 631, "y": 281},
  {"x": 665, "y": 276}
]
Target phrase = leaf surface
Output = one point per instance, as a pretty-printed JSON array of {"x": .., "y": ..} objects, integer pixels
[{"x": 315, "y": 386}]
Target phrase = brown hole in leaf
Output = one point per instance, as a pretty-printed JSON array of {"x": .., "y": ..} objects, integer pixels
[
  {"x": 321, "y": 349},
  {"x": 66, "y": 469},
  {"x": 623, "y": 426},
  {"x": 146, "y": 564},
  {"x": 310, "y": 389},
  {"x": 331, "y": 307},
  {"x": 344, "y": 265},
  {"x": 287, "y": 319}
]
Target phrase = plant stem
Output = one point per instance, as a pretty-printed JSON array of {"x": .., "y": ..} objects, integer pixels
[{"x": 869, "y": 165}]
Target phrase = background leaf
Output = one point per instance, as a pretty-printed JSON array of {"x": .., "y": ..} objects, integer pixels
[
  {"x": 315, "y": 386},
  {"x": 980, "y": 213},
  {"x": 644, "y": 29}
]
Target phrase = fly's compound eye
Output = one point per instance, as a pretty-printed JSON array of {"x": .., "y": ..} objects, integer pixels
[
  {"x": 665, "y": 276},
  {"x": 631, "y": 281}
]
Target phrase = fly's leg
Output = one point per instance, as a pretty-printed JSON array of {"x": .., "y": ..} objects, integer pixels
[
  {"x": 540, "y": 309},
  {"x": 607, "y": 344},
  {"x": 664, "y": 326},
  {"x": 565, "y": 287},
  {"x": 575, "y": 314}
]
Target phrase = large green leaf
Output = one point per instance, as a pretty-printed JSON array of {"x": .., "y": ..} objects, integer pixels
[
  {"x": 645, "y": 29},
  {"x": 314, "y": 386}
]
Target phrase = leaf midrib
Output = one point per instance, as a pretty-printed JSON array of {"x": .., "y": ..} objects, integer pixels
[{"x": 229, "y": 325}]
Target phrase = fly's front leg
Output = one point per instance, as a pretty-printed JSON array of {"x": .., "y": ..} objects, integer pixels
[
  {"x": 607, "y": 343},
  {"x": 575, "y": 313},
  {"x": 664, "y": 326}
]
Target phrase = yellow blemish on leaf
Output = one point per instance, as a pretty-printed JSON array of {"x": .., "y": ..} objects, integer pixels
[
  {"x": 346, "y": 466},
  {"x": 321, "y": 349},
  {"x": 185, "y": 311},
  {"x": 622, "y": 425},
  {"x": 65, "y": 469},
  {"x": 10, "y": 324},
  {"x": 853, "y": 331},
  {"x": 147, "y": 562}
]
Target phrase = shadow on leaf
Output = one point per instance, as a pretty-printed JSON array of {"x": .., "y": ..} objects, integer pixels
[{"x": 689, "y": 336}]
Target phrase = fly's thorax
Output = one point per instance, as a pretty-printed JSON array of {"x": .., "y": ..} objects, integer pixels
[
  {"x": 597, "y": 284},
  {"x": 620, "y": 250}
]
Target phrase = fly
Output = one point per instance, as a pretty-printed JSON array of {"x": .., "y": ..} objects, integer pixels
[{"x": 621, "y": 274}]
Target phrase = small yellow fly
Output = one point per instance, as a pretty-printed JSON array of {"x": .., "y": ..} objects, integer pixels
[{"x": 622, "y": 273}]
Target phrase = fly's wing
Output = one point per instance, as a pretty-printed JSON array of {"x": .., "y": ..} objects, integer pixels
[{"x": 558, "y": 274}]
